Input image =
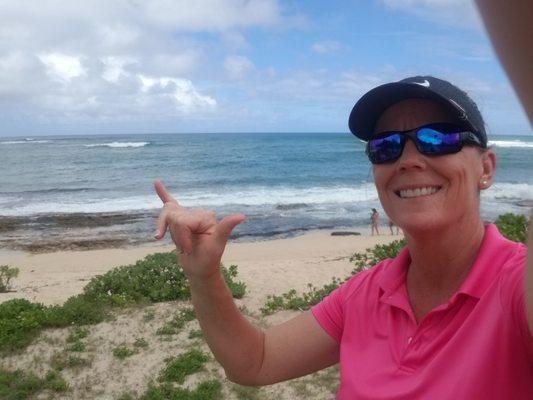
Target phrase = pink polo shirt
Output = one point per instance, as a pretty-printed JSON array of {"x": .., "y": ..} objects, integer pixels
[{"x": 476, "y": 346}]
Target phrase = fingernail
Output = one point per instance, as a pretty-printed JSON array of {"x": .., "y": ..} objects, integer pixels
[{"x": 157, "y": 234}]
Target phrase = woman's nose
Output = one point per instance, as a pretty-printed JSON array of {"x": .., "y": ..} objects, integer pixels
[{"x": 411, "y": 157}]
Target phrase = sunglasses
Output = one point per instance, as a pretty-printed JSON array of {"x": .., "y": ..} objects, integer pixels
[{"x": 431, "y": 140}]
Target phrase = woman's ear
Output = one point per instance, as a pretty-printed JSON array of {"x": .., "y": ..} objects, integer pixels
[{"x": 488, "y": 162}]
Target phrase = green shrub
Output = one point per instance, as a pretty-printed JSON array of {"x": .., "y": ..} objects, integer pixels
[
  {"x": 77, "y": 334},
  {"x": 209, "y": 390},
  {"x": 60, "y": 361},
  {"x": 513, "y": 226},
  {"x": 374, "y": 255},
  {"x": 141, "y": 343},
  {"x": 127, "y": 396},
  {"x": 195, "y": 334},
  {"x": 15, "y": 385},
  {"x": 55, "y": 382},
  {"x": 21, "y": 320},
  {"x": 158, "y": 277},
  {"x": 177, "y": 323},
  {"x": 19, "y": 323},
  {"x": 19, "y": 385},
  {"x": 77, "y": 310},
  {"x": 122, "y": 352},
  {"x": 292, "y": 301},
  {"x": 148, "y": 316},
  {"x": 238, "y": 289},
  {"x": 185, "y": 364},
  {"x": 6, "y": 274},
  {"x": 77, "y": 346}
]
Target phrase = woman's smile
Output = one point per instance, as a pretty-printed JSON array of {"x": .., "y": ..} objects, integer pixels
[{"x": 419, "y": 191}]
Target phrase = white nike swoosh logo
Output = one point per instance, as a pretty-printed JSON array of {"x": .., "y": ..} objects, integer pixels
[{"x": 425, "y": 83}]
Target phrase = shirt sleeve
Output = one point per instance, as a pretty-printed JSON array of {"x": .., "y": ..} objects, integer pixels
[{"x": 330, "y": 312}]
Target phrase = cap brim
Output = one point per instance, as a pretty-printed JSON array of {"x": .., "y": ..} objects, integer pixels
[{"x": 369, "y": 108}]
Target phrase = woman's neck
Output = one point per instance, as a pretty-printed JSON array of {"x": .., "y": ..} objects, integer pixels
[{"x": 440, "y": 261}]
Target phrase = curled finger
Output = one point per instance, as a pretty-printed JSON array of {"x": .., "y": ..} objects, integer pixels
[
  {"x": 161, "y": 225},
  {"x": 182, "y": 237}
]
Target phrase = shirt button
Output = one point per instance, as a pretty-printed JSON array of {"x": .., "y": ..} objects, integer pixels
[{"x": 409, "y": 339}]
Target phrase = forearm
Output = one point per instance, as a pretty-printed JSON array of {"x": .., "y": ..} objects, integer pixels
[
  {"x": 237, "y": 344},
  {"x": 509, "y": 25}
]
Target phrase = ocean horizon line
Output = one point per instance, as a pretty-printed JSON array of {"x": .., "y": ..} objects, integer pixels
[{"x": 109, "y": 134}]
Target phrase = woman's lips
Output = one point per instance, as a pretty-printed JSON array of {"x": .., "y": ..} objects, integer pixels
[{"x": 417, "y": 192}]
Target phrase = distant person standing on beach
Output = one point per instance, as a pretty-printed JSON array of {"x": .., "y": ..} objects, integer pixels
[
  {"x": 391, "y": 226},
  {"x": 374, "y": 219}
]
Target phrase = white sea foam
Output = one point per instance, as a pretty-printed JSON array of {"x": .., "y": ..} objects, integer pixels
[
  {"x": 511, "y": 143},
  {"x": 250, "y": 197},
  {"x": 260, "y": 196},
  {"x": 509, "y": 191},
  {"x": 119, "y": 144},
  {"x": 25, "y": 141}
]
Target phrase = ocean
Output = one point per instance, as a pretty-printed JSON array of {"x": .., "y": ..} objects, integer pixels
[{"x": 63, "y": 192}]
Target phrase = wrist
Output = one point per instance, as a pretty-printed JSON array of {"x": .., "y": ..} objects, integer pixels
[{"x": 209, "y": 283}]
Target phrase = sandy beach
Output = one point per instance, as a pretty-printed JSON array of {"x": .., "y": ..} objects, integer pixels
[{"x": 267, "y": 267}]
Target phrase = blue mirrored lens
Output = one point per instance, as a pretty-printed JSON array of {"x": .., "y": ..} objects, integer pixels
[
  {"x": 385, "y": 149},
  {"x": 431, "y": 141}
]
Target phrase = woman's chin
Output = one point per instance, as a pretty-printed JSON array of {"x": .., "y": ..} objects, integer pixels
[{"x": 420, "y": 223}]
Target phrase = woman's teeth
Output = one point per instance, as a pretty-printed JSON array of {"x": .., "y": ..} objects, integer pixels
[{"x": 424, "y": 191}]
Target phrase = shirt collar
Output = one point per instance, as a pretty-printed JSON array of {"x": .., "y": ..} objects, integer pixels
[{"x": 494, "y": 250}]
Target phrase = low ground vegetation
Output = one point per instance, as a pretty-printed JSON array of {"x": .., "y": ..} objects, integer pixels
[
  {"x": 7, "y": 273},
  {"x": 156, "y": 278},
  {"x": 15, "y": 385},
  {"x": 513, "y": 226}
]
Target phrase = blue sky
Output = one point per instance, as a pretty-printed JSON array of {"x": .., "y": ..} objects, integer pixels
[{"x": 232, "y": 65}]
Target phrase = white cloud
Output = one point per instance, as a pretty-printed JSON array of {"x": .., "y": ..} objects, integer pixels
[
  {"x": 117, "y": 35},
  {"x": 328, "y": 46},
  {"x": 211, "y": 15},
  {"x": 114, "y": 67},
  {"x": 237, "y": 66},
  {"x": 448, "y": 12},
  {"x": 182, "y": 90},
  {"x": 98, "y": 51},
  {"x": 62, "y": 67}
]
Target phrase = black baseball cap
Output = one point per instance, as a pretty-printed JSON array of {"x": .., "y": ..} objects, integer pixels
[{"x": 369, "y": 108}]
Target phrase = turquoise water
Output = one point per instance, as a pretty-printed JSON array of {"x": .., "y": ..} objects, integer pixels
[{"x": 283, "y": 182}]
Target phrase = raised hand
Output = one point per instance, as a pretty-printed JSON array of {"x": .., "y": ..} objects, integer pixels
[{"x": 198, "y": 236}]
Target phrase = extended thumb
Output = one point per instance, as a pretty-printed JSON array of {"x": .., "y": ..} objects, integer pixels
[{"x": 227, "y": 224}]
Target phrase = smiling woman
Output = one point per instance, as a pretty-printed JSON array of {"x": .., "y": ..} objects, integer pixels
[
  {"x": 445, "y": 319},
  {"x": 421, "y": 192}
]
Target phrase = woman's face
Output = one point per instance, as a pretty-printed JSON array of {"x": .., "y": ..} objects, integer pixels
[{"x": 452, "y": 181}]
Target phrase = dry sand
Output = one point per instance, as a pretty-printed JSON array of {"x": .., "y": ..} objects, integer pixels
[{"x": 267, "y": 267}]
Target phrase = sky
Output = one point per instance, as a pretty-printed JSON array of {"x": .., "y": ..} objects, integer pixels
[{"x": 164, "y": 66}]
